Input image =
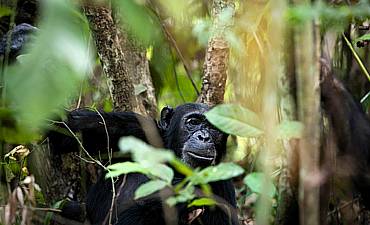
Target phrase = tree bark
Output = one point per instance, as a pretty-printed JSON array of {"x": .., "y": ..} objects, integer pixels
[
  {"x": 123, "y": 62},
  {"x": 308, "y": 75},
  {"x": 217, "y": 57},
  {"x": 288, "y": 209}
]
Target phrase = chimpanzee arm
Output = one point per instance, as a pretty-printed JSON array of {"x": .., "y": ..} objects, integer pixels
[
  {"x": 96, "y": 128},
  {"x": 351, "y": 128}
]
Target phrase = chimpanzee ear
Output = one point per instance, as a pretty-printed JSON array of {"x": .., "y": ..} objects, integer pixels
[{"x": 166, "y": 115}]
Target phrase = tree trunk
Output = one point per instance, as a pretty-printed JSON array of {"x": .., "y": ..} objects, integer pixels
[
  {"x": 217, "y": 57},
  {"x": 308, "y": 75},
  {"x": 288, "y": 209},
  {"x": 124, "y": 64}
]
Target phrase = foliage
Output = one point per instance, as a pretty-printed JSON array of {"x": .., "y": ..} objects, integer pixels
[
  {"x": 240, "y": 121},
  {"x": 40, "y": 83},
  {"x": 337, "y": 17},
  {"x": 149, "y": 161},
  {"x": 260, "y": 183}
]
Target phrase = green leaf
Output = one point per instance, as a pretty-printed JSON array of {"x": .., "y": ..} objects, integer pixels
[
  {"x": 223, "y": 171},
  {"x": 118, "y": 169},
  {"x": 290, "y": 129},
  {"x": 365, "y": 37},
  {"x": 202, "y": 202},
  {"x": 138, "y": 20},
  {"x": 56, "y": 61},
  {"x": 256, "y": 182},
  {"x": 181, "y": 167},
  {"x": 234, "y": 119},
  {"x": 184, "y": 195},
  {"x": 142, "y": 152},
  {"x": 158, "y": 170},
  {"x": 149, "y": 188},
  {"x": 163, "y": 172}
]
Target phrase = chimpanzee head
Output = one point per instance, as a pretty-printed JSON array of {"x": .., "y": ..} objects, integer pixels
[{"x": 186, "y": 131}]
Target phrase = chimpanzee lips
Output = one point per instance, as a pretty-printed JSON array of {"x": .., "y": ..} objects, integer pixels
[{"x": 200, "y": 157}]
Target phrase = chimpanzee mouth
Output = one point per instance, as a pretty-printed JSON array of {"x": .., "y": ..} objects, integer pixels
[{"x": 200, "y": 157}]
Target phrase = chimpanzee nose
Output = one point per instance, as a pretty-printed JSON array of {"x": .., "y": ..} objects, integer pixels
[{"x": 203, "y": 136}]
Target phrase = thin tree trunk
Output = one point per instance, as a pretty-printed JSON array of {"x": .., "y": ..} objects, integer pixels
[
  {"x": 308, "y": 75},
  {"x": 288, "y": 209},
  {"x": 217, "y": 56}
]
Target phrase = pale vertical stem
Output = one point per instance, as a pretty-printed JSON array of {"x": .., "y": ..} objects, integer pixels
[
  {"x": 270, "y": 102},
  {"x": 308, "y": 75}
]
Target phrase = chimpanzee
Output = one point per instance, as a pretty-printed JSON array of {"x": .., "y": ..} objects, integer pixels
[
  {"x": 183, "y": 130},
  {"x": 351, "y": 128},
  {"x": 15, "y": 40}
]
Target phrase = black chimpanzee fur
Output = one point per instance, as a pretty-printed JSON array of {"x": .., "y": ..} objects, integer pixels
[
  {"x": 183, "y": 130},
  {"x": 351, "y": 128},
  {"x": 15, "y": 40}
]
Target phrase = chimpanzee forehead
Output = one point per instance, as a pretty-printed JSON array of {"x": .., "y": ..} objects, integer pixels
[{"x": 191, "y": 107}]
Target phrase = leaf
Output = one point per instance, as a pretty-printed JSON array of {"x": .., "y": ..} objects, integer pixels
[
  {"x": 184, "y": 195},
  {"x": 223, "y": 171},
  {"x": 163, "y": 172},
  {"x": 149, "y": 188},
  {"x": 365, "y": 37},
  {"x": 118, "y": 169},
  {"x": 56, "y": 61},
  {"x": 144, "y": 153},
  {"x": 255, "y": 182},
  {"x": 158, "y": 170},
  {"x": 290, "y": 129},
  {"x": 137, "y": 19},
  {"x": 234, "y": 119},
  {"x": 140, "y": 88},
  {"x": 202, "y": 202}
]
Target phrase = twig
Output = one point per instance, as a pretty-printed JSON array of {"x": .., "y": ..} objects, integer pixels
[
  {"x": 363, "y": 68},
  {"x": 342, "y": 206},
  {"x": 172, "y": 41},
  {"x": 36, "y": 208},
  {"x": 94, "y": 160},
  {"x": 107, "y": 134},
  {"x": 81, "y": 145}
]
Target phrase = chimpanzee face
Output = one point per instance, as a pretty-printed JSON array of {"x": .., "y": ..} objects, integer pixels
[{"x": 187, "y": 132}]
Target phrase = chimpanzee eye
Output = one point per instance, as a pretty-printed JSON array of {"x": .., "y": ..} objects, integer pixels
[{"x": 193, "y": 121}]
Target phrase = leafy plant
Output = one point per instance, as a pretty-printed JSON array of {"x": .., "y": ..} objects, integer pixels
[
  {"x": 56, "y": 61},
  {"x": 240, "y": 121},
  {"x": 152, "y": 162}
]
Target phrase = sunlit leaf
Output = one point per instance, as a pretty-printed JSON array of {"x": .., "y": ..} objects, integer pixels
[
  {"x": 256, "y": 182},
  {"x": 365, "y": 37},
  {"x": 158, "y": 170},
  {"x": 202, "y": 202},
  {"x": 163, "y": 172},
  {"x": 144, "y": 153},
  {"x": 235, "y": 119},
  {"x": 223, "y": 171},
  {"x": 118, "y": 169},
  {"x": 55, "y": 63},
  {"x": 149, "y": 188},
  {"x": 137, "y": 19}
]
